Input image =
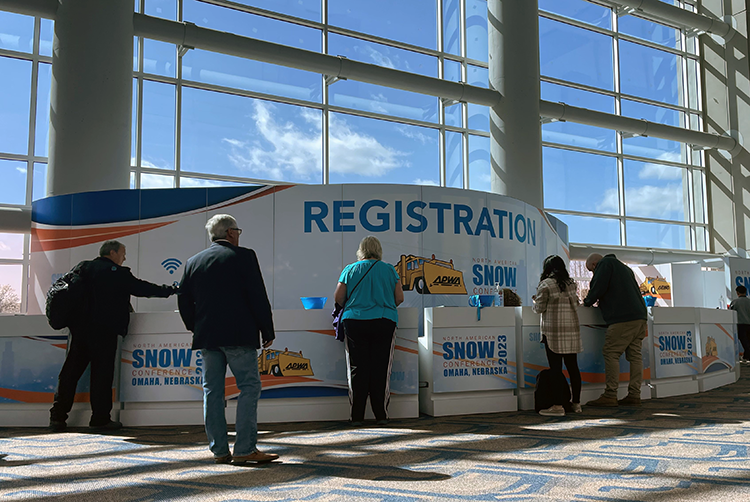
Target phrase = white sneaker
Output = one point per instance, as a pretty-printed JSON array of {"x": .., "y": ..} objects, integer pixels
[
  {"x": 577, "y": 408},
  {"x": 554, "y": 411}
]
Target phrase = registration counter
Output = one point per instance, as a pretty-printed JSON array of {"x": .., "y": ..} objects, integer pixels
[{"x": 159, "y": 378}]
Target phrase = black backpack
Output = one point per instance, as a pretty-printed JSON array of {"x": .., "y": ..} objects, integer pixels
[
  {"x": 67, "y": 299},
  {"x": 551, "y": 388}
]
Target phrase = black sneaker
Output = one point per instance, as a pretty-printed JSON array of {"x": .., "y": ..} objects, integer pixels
[
  {"x": 111, "y": 426},
  {"x": 57, "y": 425}
]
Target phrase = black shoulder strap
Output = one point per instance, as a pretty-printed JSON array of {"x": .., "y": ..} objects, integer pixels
[{"x": 349, "y": 294}]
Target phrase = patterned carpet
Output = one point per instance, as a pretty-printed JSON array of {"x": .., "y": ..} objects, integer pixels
[{"x": 676, "y": 449}]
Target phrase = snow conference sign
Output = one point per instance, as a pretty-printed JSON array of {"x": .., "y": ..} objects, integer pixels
[
  {"x": 445, "y": 243},
  {"x": 675, "y": 351}
]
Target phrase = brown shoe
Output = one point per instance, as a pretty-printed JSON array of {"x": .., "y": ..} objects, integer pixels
[
  {"x": 257, "y": 457},
  {"x": 629, "y": 401},
  {"x": 225, "y": 459},
  {"x": 603, "y": 402}
]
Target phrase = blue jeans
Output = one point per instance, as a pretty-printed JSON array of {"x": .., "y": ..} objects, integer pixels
[{"x": 243, "y": 361}]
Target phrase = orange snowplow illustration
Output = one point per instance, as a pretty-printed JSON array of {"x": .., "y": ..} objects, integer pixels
[
  {"x": 430, "y": 276},
  {"x": 657, "y": 287},
  {"x": 283, "y": 363}
]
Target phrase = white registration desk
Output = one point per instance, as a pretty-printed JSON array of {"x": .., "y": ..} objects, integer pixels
[
  {"x": 158, "y": 377},
  {"x": 460, "y": 365}
]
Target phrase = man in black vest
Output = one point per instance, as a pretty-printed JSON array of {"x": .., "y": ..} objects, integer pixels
[
  {"x": 93, "y": 338},
  {"x": 223, "y": 301}
]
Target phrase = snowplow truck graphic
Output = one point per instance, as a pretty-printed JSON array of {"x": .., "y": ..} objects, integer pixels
[
  {"x": 430, "y": 276},
  {"x": 283, "y": 363},
  {"x": 656, "y": 286}
]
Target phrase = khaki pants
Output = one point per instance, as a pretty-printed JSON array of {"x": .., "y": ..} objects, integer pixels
[{"x": 624, "y": 337}]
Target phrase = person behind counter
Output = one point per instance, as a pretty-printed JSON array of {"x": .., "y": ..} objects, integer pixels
[
  {"x": 556, "y": 300},
  {"x": 742, "y": 306},
  {"x": 93, "y": 338},
  {"x": 223, "y": 301},
  {"x": 624, "y": 312},
  {"x": 511, "y": 298},
  {"x": 369, "y": 318}
]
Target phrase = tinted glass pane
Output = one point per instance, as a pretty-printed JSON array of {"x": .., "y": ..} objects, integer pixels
[
  {"x": 701, "y": 239},
  {"x": 44, "y": 82},
  {"x": 10, "y": 285},
  {"x": 15, "y": 96},
  {"x": 650, "y": 73},
  {"x": 453, "y": 113},
  {"x": 657, "y": 235},
  {"x": 451, "y": 27},
  {"x": 239, "y": 136},
  {"x": 11, "y": 246},
  {"x": 591, "y": 230},
  {"x": 476, "y": 30},
  {"x": 692, "y": 82},
  {"x": 699, "y": 197},
  {"x": 159, "y": 58},
  {"x": 16, "y": 32},
  {"x": 135, "y": 54},
  {"x": 656, "y": 191},
  {"x": 240, "y": 73},
  {"x": 580, "y": 10},
  {"x": 382, "y": 55},
  {"x": 166, "y": 9},
  {"x": 200, "y": 182},
  {"x": 479, "y": 163},
  {"x": 46, "y": 37},
  {"x": 479, "y": 116},
  {"x": 413, "y": 22},
  {"x": 575, "y": 54},
  {"x": 454, "y": 160},
  {"x": 654, "y": 148},
  {"x": 568, "y": 174},
  {"x": 569, "y": 133},
  {"x": 132, "y": 180},
  {"x": 306, "y": 9},
  {"x": 251, "y": 25},
  {"x": 157, "y": 137},
  {"x": 134, "y": 122},
  {"x": 377, "y": 99},
  {"x": 366, "y": 150},
  {"x": 13, "y": 186},
  {"x": 156, "y": 181},
  {"x": 653, "y": 32},
  {"x": 39, "y": 182}
]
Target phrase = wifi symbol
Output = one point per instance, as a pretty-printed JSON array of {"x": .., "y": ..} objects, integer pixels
[{"x": 171, "y": 264}]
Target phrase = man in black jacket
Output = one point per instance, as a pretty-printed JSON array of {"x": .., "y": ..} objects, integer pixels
[
  {"x": 223, "y": 301},
  {"x": 93, "y": 338},
  {"x": 624, "y": 311}
]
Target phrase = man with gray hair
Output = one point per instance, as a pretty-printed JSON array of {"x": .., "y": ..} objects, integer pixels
[
  {"x": 624, "y": 311},
  {"x": 223, "y": 301},
  {"x": 93, "y": 337}
]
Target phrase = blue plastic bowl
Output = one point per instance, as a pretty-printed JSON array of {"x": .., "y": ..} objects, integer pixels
[
  {"x": 486, "y": 300},
  {"x": 313, "y": 302}
]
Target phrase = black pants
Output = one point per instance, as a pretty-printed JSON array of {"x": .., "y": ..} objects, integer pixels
[
  {"x": 369, "y": 354},
  {"x": 571, "y": 364},
  {"x": 743, "y": 333},
  {"x": 99, "y": 351}
]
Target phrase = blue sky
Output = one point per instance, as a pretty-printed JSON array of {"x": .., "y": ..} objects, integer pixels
[{"x": 233, "y": 135}]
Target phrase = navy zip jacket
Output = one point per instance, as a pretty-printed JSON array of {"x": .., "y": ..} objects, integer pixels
[
  {"x": 615, "y": 287},
  {"x": 223, "y": 298}
]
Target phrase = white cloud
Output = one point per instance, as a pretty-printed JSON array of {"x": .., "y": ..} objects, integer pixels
[
  {"x": 414, "y": 133},
  {"x": 420, "y": 181},
  {"x": 650, "y": 201},
  {"x": 660, "y": 172},
  {"x": 295, "y": 154},
  {"x": 21, "y": 170},
  {"x": 377, "y": 57},
  {"x": 4, "y": 246}
]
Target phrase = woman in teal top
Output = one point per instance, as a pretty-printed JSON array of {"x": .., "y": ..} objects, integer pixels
[{"x": 369, "y": 319}]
